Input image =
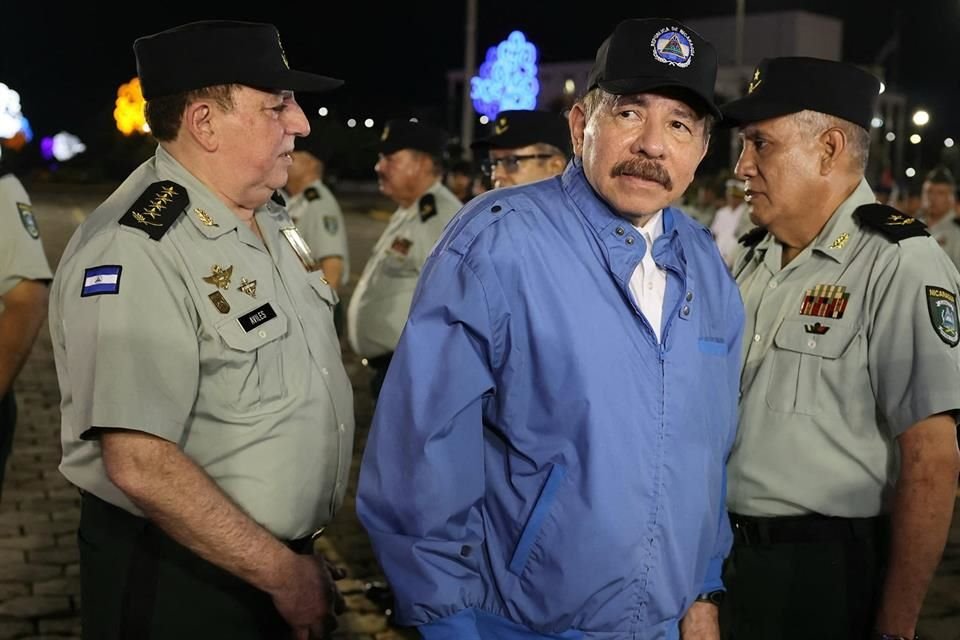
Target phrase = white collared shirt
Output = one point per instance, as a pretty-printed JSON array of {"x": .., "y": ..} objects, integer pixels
[{"x": 649, "y": 282}]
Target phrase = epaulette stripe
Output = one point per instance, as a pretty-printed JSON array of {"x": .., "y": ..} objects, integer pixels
[
  {"x": 890, "y": 223},
  {"x": 157, "y": 208}
]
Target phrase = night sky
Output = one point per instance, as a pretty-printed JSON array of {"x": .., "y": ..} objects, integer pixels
[{"x": 67, "y": 62}]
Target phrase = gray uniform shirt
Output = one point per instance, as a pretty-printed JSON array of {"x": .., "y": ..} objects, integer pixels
[
  {"x": 845, "y": 348},
  {"x": 318, "y": 216},
  {"x": 21, "y": 253},
  {"x": 379, "y": 306},
  {"x": 208, "y": 338},
  {"x": 947, "y": 234}
]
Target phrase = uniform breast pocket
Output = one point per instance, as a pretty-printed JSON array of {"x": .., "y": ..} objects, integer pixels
[
  {"x": 251, "y": 367},
  {"x": 323, "y": 289},
  {"x": 813, "y": 362}
]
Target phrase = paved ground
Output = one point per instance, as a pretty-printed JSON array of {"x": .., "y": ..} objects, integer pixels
[{"x": 39, "y": 589}]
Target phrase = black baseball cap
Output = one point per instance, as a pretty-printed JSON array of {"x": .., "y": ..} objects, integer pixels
[
  {"x": 408, "y": 134},
  {"x": 643, "y": 54},
  {"x": 214, "y": 52},
  {"x": 781, "y": 86},
  {"x": 515, "y": 129}
]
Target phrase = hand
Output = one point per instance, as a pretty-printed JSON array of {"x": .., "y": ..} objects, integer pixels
[
  {"x": 308, "y": 598},
  {"x": 702, "y": 622}
]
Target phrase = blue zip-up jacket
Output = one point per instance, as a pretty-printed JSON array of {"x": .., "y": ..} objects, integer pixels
[{"x": 538, "y": 465}]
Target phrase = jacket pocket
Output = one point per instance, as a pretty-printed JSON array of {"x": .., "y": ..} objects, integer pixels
[
  {"x": 803, "y": 361},
  {"x": 534, "y": 523}
]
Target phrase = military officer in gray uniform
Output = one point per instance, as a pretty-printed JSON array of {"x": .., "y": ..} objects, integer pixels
[
  {"x": 939, "y": 214},
  {"x": 408, "y": 171},
  {"x": 24, "y": 275},
  {"x": 207, "y": 418},
  {"x": 843, "y": 473},
  {"x": 316, "y": 212}
]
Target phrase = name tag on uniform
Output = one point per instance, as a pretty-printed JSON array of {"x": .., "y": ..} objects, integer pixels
[{"x": 253, "y": 319}]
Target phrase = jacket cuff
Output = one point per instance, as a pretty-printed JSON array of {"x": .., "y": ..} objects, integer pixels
[{"x": 714, "y": 578}]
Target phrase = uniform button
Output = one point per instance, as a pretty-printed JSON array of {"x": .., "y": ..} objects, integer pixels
[
  {"x": 811, "y": 343},
  {"x": 689, "y": 296},
  {"x": 773, "y": 284},
  {"x": 495, "y": 208},
  {"x": 620, "y": 231},
  {"x": 685, "y": 311},
  {"x": 343, "y": 428},
  {"x": 325, "y": 371},
  {"x": 630, "y": 240},
  {"x": 756, "y": 338},
  {"x": 262, "y": 333},
  {"x": 649, "y": 285}
]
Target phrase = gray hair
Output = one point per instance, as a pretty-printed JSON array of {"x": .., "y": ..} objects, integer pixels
[
  {"x": 858, "y": 138},
  {"x": 597, "y": 99}
]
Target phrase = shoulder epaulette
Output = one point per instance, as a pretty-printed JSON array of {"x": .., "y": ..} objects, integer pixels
[
  {"x": 890, "y": 223},
  {"x": 157, "y": 208},
  {"x": 276, "y": 197},
  {"x": 428, "y": 207},
  {"x": 753, "y": 237},
  {"x": 311, "y": 193}
]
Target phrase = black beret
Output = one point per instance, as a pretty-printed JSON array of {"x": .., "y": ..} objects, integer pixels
[
  {"x": 781, "y": 86},
  {"x": 214, "y": 52},
  {"x": 656, "y": 53},
  {"x": 515, "y": 129},
  {"x": 419, "y": 136}
]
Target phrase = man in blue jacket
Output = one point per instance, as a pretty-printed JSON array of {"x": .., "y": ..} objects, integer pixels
[{"x": 547, "y": 456}]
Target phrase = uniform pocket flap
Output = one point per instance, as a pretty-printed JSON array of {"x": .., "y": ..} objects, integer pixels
[
  {"x": 816, "y": 336},
  {"x": 254, "y": 328},
  {"x": 324, "y": 290}
]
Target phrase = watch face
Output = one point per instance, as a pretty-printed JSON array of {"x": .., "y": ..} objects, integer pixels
[{"x": 714, "y": 597}]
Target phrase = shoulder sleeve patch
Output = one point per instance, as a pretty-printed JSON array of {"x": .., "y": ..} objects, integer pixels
[
  {"x": 753, "y": 237},
  {"x": 890, "y": 223},
  {"x": 157, "y": 208},
  {"x": 311, "y": 193},
  {"x": 428, "y": 207},
  {"x": 276, "y": 197}
]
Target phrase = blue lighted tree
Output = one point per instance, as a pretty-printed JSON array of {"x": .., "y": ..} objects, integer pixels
[{"x": 507, "y": 78}]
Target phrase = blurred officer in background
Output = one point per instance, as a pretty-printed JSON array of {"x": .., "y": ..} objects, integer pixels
[
  {"x": 317, "y": 214},
  {"x": 939, "y": 211},
  {"x": 24, "y": 278},
  {"x": 525, "y": 146},
  {"x": 409, "y": 170}
]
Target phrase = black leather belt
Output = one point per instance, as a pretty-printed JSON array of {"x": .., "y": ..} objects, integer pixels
[
  {"x": 749, "y": 530},
  {"x": 304, "y": 545},
  {"x": 380, "y": 362}
]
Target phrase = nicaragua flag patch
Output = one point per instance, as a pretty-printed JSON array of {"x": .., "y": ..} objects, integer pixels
[{"x": 102, "y": 280}]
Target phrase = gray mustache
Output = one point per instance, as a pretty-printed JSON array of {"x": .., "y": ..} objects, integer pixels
[{"x": 645, "y": 169}]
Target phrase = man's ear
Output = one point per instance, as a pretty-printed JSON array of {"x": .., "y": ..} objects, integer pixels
[
  {"x": 200, "y": 123},
  {"x": 833, "y": 142},
  {"x": 578, "y": 123}
]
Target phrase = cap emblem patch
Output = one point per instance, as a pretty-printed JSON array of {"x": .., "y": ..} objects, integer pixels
[{"x": 673, "y": 47}]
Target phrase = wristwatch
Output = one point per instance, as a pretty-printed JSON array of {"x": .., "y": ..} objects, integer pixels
[{"x": 716, "y": 597}]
